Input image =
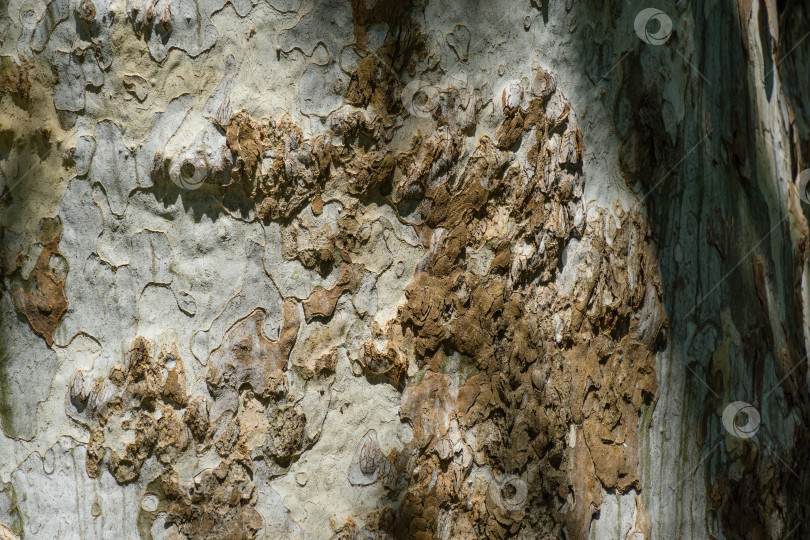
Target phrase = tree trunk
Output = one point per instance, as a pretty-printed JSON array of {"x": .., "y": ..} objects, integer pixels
[{"x": 407, "y": 269}]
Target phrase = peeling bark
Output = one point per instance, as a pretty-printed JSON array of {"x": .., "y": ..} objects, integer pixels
[{"x": 409, "y": 269}]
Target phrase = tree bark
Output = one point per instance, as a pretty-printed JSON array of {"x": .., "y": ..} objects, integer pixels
[{"x": 408, "y": 269}]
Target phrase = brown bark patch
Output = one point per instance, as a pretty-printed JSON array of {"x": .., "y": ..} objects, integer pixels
[
  {"x": 322, "y": 302},
  {"x": 41, "y": 299}
]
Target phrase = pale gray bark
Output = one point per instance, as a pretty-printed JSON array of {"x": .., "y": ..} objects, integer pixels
[{"x": 195, "y": 179}]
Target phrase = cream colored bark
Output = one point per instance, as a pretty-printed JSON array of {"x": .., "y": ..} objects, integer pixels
[{"x": 423, "y": 269}]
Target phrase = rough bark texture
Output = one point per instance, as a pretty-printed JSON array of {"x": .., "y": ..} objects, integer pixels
[{"x": 407, "y": 269}]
